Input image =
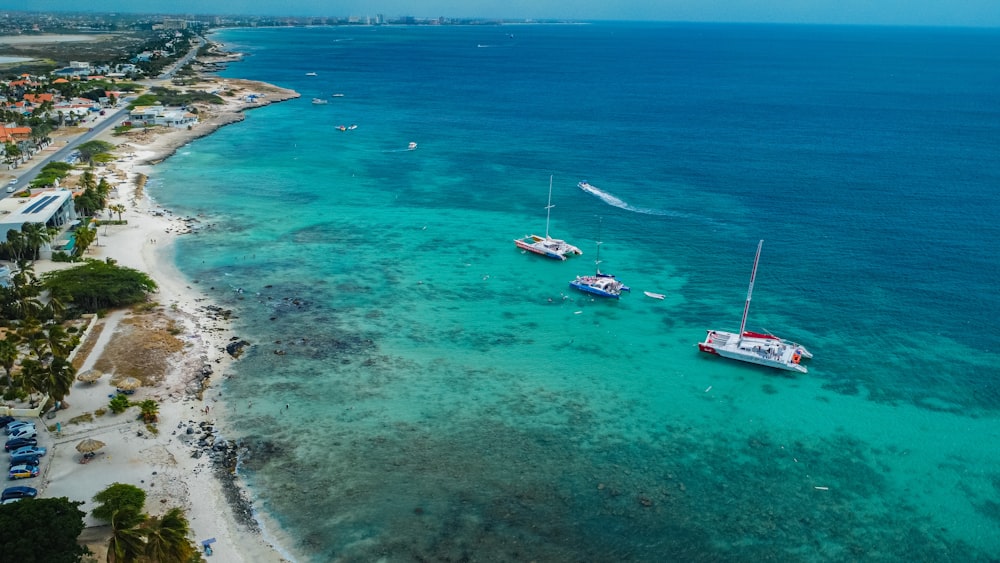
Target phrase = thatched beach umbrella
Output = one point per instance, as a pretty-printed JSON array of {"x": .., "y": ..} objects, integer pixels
[
  {"x": 89, "y": 445},
  {"x": 128, "y": 384},
  {"x": 89, "y": 376}
]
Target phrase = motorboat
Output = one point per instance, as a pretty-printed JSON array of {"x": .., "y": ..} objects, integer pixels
[
  {"x": 319, "y": 101},
  {"x": 755, "y": 347},
  {"x": 653, "y": 295}
]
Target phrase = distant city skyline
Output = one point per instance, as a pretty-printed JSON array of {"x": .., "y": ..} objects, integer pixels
[{"x": 976, "y": 13}]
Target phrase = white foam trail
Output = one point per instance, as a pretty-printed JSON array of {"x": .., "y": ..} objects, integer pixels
[{"x": 616, "y": 202}]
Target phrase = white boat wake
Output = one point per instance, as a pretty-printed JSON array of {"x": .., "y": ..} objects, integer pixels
[{"x": 616, "y": 202}]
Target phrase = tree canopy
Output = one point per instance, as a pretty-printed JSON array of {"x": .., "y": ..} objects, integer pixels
[
  {"x": 99, "y": 285},
  {"x": 41, "y": 530},
  {"x": 118, "y": 497},
  {"x": 90, "y": 149}
]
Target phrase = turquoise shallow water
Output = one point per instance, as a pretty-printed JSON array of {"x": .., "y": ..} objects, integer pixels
[{"x": 451, "y": 398}]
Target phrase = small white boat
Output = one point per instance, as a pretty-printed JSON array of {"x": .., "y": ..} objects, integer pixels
[
  {"x": 352, "y": 127},
  {"x": 411, "y": 146},
  {"x": 319, "y": 101},
  {"x": 755, "y": 347},
  {"x": 338, "y": 95},
  {"x": 654, "y": 295},
  {"x": 310, "y": 74}
]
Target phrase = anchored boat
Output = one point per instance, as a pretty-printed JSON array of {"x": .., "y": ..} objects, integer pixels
[
  {"x": 554, "y": 248},
  {"x": 754, "y": 347},
  {"x": 599, "y": 284}
]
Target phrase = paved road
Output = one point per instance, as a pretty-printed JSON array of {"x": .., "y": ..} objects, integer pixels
[{"x": 102, "y": 123}]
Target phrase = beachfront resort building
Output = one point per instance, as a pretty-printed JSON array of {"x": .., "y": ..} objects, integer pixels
[
  {"x": 53, "y": 208},
  {"x": 159, "y": 115}
]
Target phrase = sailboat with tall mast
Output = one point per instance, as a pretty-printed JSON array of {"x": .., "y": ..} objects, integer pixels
[
  {"x": 600, "y": 284},
  {"x": 554, "y": 248},
  {"x": 754, "y": 347}
]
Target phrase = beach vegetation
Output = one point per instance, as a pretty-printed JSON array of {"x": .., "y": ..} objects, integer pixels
[
  {"x": 119, "y": 403},
  {"x": 100, "y": 412},
  {"x": 138, "y": 537},
  {"x": 167, "y": 538},
  {"x": 90, "y": 149},
  {"x": 85, "y": 417},
  {"x": 35, "y": 235},
  {"x": 120, "y": 497},
  {"x": 85, "y": 236},
  {"x": 97, "y": 285},
  {"x": 118, "y": 209},
  {"x": 50, "y": 173},
  {"x": 149, "y": 410},
  {"x": 42, "y": 529},
  {"x": 126, "y": 544},
  {"x": 169, "y": 97}
]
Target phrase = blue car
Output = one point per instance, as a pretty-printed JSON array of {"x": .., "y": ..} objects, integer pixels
[
  {"x": 23, "y": 472},
  {"x": 29, "y": 450},
  {"x": 18, "y": 492}
]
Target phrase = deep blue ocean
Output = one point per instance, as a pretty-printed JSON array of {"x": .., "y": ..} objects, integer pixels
[{"x": 450, "y": 398}]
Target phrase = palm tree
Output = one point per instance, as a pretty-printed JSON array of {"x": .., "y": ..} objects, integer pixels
[
  {"x": 57, "y": 338},
  {"x": 8, "y": 355},
  {"x": 150, "y": 409},
  {"x": 85, "y": 236},
  {"x": 35, "y": 235},
  {"x": 16, "y": 244},
  {"x": 166, "y": 538},
  {"x": 87, "y": 180},
  {"x": 119, "y": 209},
  {"x": 58, "y": 379},
  {"x": 127, "y": 543}
]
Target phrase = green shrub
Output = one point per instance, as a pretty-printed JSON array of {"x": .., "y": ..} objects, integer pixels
[{"x": 119, "y": 403}]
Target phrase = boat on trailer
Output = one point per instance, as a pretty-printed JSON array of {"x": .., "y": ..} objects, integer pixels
[
  {"x": 755, "y": 347},
  {"x": 554, "y": 248}
]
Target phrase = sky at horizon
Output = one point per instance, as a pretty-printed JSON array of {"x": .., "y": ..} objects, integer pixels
[{"x": 973, "y": 13}]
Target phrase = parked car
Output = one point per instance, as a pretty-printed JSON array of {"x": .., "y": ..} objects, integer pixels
[
  {"x": 29, "y": 450},
  {"x": 14, "y": 443},
  {"x": 23, "y": 472},
  {"x": 22, "y": 458},
  {"x": 14, "y": 424},
  {"x": 30, "y": 460},
  {"x": 18, "y": 492},
  {"x": 5, "y": 420},
  {"x": 24, "y": 432}
]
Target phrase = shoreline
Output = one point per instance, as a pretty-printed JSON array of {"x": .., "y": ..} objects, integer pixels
[{"x": 188, "y": 462}]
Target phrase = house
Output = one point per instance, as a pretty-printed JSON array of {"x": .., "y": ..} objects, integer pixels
[
  {"x": 12, "y": 134},
  {"x": 159, "y": 115},
  {"x": 53, "y": 208}
]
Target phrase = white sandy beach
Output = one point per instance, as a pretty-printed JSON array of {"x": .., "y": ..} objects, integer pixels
[{"x": 161, "y": 463}]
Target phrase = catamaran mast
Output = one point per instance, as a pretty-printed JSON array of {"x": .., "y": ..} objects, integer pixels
[
  {"x": 548, "y": 209},
  {"x": 753, "y": 276},
  {"x": 597, "y": 260}
]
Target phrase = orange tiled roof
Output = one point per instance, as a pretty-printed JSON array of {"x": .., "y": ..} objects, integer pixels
[
  {"x": 38, "y": 98},
  {"x": 9, "y": 134},
  {"x": 60, "y": 81}
]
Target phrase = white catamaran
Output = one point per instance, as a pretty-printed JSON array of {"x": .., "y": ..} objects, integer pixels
[
  {"x": 754, "y": 347},
  {"x": 547, "y": 246}
]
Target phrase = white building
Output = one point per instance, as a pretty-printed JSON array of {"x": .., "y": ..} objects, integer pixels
[
  {"x": 159, "y": 115},
  {"x": 53, "y": 208}
]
